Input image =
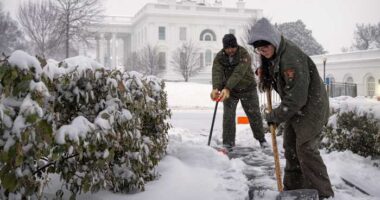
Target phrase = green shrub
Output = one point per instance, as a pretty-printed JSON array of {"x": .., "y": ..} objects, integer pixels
[
  {"x": 352, "y": 131},
  {"x": 96, "y": 128}
]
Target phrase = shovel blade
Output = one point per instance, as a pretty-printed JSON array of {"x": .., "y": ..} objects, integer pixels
[{"x": 301, "y": 194}]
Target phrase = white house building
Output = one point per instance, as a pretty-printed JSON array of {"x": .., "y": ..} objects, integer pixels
[
  {"x": 166, "y": 25},
  {"x": 360, "y": 67}
]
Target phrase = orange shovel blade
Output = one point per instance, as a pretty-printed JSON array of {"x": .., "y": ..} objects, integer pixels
[{"x": 242, "y": 120}]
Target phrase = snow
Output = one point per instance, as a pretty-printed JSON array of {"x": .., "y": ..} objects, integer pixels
[
  {"x": 51, "y": 69},
  {"x": 80, "y": 64},
  {"x": 359, "y": 105},
  {"x": 40, "y": 87},
  {"x": 79, "y": 127},
  {"x": 26, "y": 62},
  {"x": 192, "y": 170}
]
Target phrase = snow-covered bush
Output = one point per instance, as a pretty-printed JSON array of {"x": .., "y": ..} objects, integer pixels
[
  {"x": 25, "y": 126},
  {"x": 354, "y": 125},
  {"x": 106, "y": 129}
]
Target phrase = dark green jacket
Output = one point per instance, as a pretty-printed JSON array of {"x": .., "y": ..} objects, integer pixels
[
  {"x": 304, "y": 101},
  {"x": 236, "y": 76}
]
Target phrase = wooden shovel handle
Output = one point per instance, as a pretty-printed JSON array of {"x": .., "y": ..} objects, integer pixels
[{"x": 274, "y": 145}]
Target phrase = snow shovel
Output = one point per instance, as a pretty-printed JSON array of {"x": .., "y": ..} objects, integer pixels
[
  {"x": 300, "y": 194},
  {"x": 212, "y": 123}
]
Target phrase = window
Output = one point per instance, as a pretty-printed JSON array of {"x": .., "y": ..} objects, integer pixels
[
  {"x": 371, "y": 86},
  {"x": 207, "y": 35},
  {"x": 208, "y": 57},
  {"x": 182, "y": 33},
  {"x": 201, "y": 60},
  {"x": 161, "y": 60},
  {"x": 232, "y": 31},
  {"x": 161, "y": 33},
  {"x": 349, "y": 80}
]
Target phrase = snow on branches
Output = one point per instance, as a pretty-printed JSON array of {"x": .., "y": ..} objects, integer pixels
[{"x": 96, "y": 128}]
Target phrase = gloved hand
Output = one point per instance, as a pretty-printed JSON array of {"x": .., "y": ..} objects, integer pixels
[
  {"x": 269, "y": 117},
  {"x": 215, "y": 94},
  {"x": 225, "y": 94}
]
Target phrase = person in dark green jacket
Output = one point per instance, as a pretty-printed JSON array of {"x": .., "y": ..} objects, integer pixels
[
  {"x": 233, "y": 80},
  {"x": 304, "y": 106}
]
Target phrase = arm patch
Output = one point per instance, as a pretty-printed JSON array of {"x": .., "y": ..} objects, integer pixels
[{"x": 290, "y": 73}]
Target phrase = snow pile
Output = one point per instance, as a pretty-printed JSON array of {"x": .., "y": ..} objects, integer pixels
[{"x": 359, "y": 105}]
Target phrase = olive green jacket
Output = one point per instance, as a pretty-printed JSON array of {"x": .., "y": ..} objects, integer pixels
[
  {"x": 304, "y": 101},
  {"x": 237, "y": 75}
]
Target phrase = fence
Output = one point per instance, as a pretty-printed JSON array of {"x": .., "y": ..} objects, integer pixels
[
  {"x": 333, "y": 90},
  {"x": 341, "y": 89}
]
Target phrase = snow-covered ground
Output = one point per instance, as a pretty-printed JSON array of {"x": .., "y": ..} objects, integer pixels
[{"x": 192, "y": 170}]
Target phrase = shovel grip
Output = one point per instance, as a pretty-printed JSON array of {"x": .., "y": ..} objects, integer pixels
[{"x": 274, "y": 145}]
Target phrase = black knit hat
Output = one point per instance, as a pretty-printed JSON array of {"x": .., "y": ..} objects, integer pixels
[
  {"x": 229, "y": 41},
  {"x": 260, "y": 43}
]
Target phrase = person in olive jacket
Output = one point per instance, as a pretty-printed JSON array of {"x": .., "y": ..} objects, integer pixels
[
  {"x": 233, "y": 80},
  {"x": 304, "y": 106}
]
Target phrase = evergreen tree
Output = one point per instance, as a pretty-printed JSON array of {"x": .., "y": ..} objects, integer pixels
[{"x": 301, "y": 36}]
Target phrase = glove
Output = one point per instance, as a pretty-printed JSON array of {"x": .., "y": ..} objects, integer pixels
[
  {"x": 225, "y": 94},
  {"x": 215, "y": 94},
  {"x": 269, "y": 117}
]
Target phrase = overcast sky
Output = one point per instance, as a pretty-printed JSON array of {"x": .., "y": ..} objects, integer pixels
[{"x": 331, "y": 21}]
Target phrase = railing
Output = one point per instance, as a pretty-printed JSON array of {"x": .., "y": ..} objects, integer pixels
[{"x": 341, "y": 89}]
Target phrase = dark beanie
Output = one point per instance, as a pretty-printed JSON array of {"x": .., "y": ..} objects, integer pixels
[
  {"x": 260, "y": 43},
  {"x": 229, "y": 41}
]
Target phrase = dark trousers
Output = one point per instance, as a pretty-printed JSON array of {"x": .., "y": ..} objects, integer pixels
[
  {"x": 304, "y": 168},
  {"x": 250, "y": 103}
]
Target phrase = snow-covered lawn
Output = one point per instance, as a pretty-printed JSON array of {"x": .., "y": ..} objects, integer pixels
[{"x": 192, "y": 170}]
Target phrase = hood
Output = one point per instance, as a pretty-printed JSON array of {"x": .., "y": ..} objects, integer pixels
[{"x": 264, "y": 30}]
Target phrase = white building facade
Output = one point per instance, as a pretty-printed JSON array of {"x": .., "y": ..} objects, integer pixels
[
  {"x": 360, "y": 67},
  {"x": 166, "y": 25}
]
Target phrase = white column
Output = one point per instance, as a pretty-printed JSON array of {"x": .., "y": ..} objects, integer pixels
[
  {"x": 101, "y": 48},
  {"x": 107, "y": 57},
  {"x": 114, "y": 51},
  {"x": 125, "y": 51}
]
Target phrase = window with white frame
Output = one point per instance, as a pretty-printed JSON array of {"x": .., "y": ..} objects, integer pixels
[
  {"x": 201, "y": 60},
  {"x": 208, "y": 57},
  {"x": 182, "y": 33},
  {"x": 371, "y": 86},
  {"x": 161, "y": 33},
  {"x": 162, "y": 60}
]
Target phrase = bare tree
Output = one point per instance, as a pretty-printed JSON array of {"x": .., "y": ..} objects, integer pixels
[
  {"x": 186, "y": 60},
  {"x": 39, "y": 20},
  {"x": 132, "y": 62},
  {"x": 367, "y": 36},
  {"x": 75, "y": 17},
  {"x": 11, "y": 37},
  {"x": 148, "y": 60},
  {"x": 247, "y": 34}
]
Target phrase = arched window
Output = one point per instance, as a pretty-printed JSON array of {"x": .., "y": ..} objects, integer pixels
[
  {"x": 349, "y": 80},
  {"x": 208, "y": 57},
  {"x": 371, "y": 86},
  {"x": 207, "y": 35}
]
